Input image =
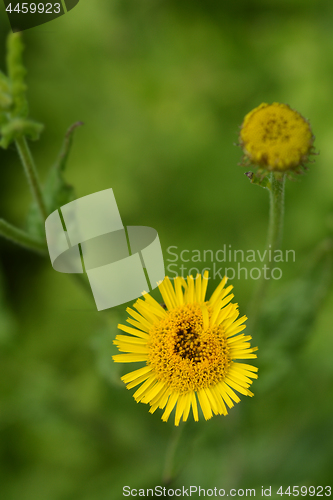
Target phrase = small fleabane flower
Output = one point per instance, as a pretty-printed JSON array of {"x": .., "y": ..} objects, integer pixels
[
  {"x": 276, "y": 138},
  {"x": 189, "y": 349}
]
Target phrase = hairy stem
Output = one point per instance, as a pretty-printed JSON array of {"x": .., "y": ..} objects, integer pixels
[
  {"x": 276, "y": 213},
  {"x": 31, "y": 174},
  {"x": 274, "y": 239},
  {"x": 169, "y": 472}
]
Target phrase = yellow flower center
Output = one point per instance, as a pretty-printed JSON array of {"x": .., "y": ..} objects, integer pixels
[
  {"x": 185, "y": 354},
  {"x": 276, "y": 137}
]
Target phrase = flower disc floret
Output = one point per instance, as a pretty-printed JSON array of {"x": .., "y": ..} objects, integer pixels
[
  {"x": 191, "y": 357},
  {"x": 189, "y": 349},
  {"x": 276, "y": 137}
]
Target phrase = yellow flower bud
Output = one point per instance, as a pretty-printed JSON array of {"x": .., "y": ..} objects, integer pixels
[{"x": 276, "y": 138}]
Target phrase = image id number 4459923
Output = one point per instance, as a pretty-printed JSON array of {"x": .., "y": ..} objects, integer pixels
[
  {"x": 34, "y": 8},
  {"x": 312, "y": 491}
]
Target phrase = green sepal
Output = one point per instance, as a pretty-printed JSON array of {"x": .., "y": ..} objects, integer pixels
[
  {"x": 261, "y": 181},
  {"x": 17, "y": 128},
  {"x": 57, "y": 192}
]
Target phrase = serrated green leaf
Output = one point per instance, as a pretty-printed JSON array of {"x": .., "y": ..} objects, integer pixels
[{"x": 17, "y": 128}]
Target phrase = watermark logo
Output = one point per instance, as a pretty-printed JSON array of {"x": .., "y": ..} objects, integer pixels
[
  {"x": 87, "y": 235},
  {"x": 25, "y": 15},
  {"x": 226, "y": 261}
]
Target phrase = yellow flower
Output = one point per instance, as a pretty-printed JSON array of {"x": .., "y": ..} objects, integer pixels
[
  {"x": 276, "y": 138},
  {"x": 189, "y": 349}
]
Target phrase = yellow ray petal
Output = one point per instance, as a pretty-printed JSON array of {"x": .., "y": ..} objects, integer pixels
[
  {"x": 212, "y": 401},
  {"x": 137, "y": 381},
  {"x": 170, "y": 406},
  {"x": 179, "y": 291},
  {"x": 157, "y": 398},
  {"x": 233, "y": 332},
  {"x": 227, "y": 311},
  {"x": 129, "y": 377},
  {"x": 230, "y": 392},
  {"x": 146, "y": 311},
  {"x": 133, "y": 331},
  {"x": 153, "y": 392},
  {"x": 237, "y": 387},
  {"x": 225, "y": 292},
  {"x": 165, "y": 294},
  {"x": 204, "y": 285},
  {"x": 218, "y": 305},
  {"x": 157, "y": 308},
  {"x": 160, "y": 400},
  {"x": 242, "y": 370},
  {"x": 227, "y": 322},
  {"x": 194, "y": 406},
  {"x": 139, "y": 318},
  {"x": 205, "y": 404},
  {"x": 130, "y": 340},
  {"x": 239, "y": 377},
  {"x": 164, "y": 398},
  {"x": 231, "y": 328},
  {"x": 129, "y": 358},
  {"x": 180, "y": 408},
  {"x": 218, "y": 397},
  {"x": 189, "y": 294},
  {"x": 198, "y": 288},
  {"x": 138, "y": 395},
  {"x": 128, "y": 347},
  {"x": 217, "y": 291},
  {"x": 171, "y": 291},
  {"x": 245, "y": 366},
  {"x": 187, "y": 406},
  {"x": 221, "y": 388},
  {"x": 243, "y": 356},
  {"x": 138, "y": 325}
]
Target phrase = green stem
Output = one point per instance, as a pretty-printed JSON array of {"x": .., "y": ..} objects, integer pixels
[
  {"x": 274, "y": 239},
  {"x": 21, "y": 237},
  {"x": 32, "y": 176},
  {"x": 276, "y": 213},
  {"x": 168, "y": 472}
]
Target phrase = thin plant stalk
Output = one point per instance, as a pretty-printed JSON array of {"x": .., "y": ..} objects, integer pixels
[
  {"x": 274, "y": 240},
  {"x": 276, "y": 213},
  {"x": 31, "y": 174},
  {"x": 169, "y": 465},
  {"x": 22, "y": 238}
]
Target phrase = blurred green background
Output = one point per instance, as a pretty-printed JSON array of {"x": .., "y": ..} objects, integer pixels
[{"x": 162, "y": 87}]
